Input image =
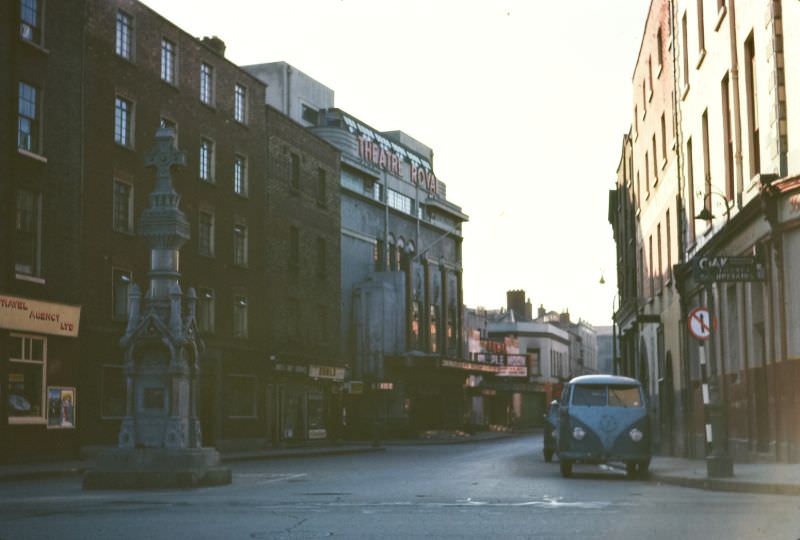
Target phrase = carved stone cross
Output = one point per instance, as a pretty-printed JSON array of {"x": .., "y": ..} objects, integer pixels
[{"x": 163, "y": 156}]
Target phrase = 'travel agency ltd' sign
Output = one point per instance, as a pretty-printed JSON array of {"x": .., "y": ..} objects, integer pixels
[
  {"x": 40, "y": 317},
  {"x": 388, "y": 155}
]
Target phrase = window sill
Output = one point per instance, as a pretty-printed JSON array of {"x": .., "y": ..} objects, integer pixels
[
  {"x": 242, "y": 123},
  {"x": 702, "y": 57},
  {"x": 129, "y": 147},
  {"x": 209, "y": 106},
  {"x": 720, "y": 17},
  {"x": 243, "y": 195},
  {"x": 30, "y": 279},
  {"x": 26, "y": 421},
  {"x": 170, "y": 84},
  {"x": 37, "y": 46},
  {"x": 32, "y": 155},
  {"x": 127, "y": 59}
]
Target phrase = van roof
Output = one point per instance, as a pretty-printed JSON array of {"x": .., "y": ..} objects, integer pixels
[{"x": 603, "y": 380}]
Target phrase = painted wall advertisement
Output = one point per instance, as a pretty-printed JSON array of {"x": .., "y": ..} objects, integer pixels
[{"x": 60, "y": 407}]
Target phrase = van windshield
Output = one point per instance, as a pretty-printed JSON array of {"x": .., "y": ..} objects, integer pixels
[
  {"x": 624, "y": 396},
  {"x": 615, "y": 395}
]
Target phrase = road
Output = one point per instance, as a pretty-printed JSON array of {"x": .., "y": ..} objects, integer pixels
[{"x": 498, "y": 489}]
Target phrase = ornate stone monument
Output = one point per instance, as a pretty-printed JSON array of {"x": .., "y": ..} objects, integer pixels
[{"x": 160, "y": 441}]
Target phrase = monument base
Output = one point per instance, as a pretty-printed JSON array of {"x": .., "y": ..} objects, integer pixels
[{"x": 157, "y": 468}]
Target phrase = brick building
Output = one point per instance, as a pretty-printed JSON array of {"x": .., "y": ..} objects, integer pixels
[{"x": 89, "y": 82}]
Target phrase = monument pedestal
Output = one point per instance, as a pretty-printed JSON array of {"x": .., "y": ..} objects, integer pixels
[{"x": 154, "y": 468}]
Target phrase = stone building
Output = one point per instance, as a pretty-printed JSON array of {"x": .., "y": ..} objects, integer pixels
[
  {"x": 400, "y": 263},
  {"x": 735, "y": 188}
]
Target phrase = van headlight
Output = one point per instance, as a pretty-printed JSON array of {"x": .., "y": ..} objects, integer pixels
[
  {"x": 635, "y": 435},
  {"x": 578, "y": 434}
]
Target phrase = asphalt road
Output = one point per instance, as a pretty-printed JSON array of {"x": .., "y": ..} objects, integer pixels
[{"x": 498, "y": 489}]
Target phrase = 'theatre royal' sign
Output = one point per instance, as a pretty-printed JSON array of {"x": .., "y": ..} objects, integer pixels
[{"x": 29, "y": 315}]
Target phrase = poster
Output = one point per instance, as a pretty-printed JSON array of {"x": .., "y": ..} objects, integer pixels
[{"x": 60, "y": 407}]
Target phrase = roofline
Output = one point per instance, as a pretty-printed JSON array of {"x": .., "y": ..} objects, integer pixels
[{"x": 644, "y": 33}]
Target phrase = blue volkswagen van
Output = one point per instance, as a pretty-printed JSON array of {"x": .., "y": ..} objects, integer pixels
[{"x": 603, "y": 418}]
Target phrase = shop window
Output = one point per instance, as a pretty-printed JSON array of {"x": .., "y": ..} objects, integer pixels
[
  {"x": 316, "y": 416},
  {"x": 26, "y": 379},
  {"x": 114, "y": 393},
  {"x": 240, "y": 396},
  {"x": 433, "y": 318},
  {"x": 414, "y": 325}
]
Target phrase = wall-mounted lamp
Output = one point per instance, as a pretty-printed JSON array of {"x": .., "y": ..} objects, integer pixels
[{"x": 705, "y": 213}]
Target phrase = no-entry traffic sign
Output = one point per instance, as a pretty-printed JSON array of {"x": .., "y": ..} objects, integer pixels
[{"x": 700, "y": 323}]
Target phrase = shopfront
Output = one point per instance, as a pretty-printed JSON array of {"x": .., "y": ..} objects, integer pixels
[
  {"x": 39, "y": 395},
  {"x": 304, "y": 403}
]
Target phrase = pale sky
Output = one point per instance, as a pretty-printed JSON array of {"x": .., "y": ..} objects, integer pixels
[{"x": 524, "y": 103}]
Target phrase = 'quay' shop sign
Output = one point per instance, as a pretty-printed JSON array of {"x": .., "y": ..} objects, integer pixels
[
  {"x": 719, "y": 268},
  {"x": 40, "y": 317},
  {"x": 378, "y": 150}
]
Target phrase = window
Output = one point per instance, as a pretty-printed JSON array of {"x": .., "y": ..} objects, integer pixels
[
  {"x": 240, "y": 316},
  {"x": 124, "y": 39},
  {"x": 26, "y": 378},
  {"x": 669, "y": 248},
  {"x": 378, "y": 256},
  {"x": 28, "y": 237},
  {"x": 659, "y": 49},
  {"x": 655, "y": 161},
  {"x": 122, "y": 122},
  {"x": 398, "y": 201},
  {"x": 650, "y": 267},
  {"x": 309, "y": 114},
  {"x": 663, "y": 138},
  {"x": 170, "y": 124},
  {"x": 414, "y": 329},
  {"x": 120, "y": 287},
  {"x": 321, "y": 258},
  {"x": 168, "y": 61},
  {"x": 205, "y": 310},
  {"x": 433, "y": 319},
  {"x": 701, "y": 34},
  {"x": 690, "y": 187},
  {"x": 452, "y": 334},
  {"x": 322, "y": 188},
  {"x": 752, "y": 105},
  {"x": 239, "y": 103},
  {"x": 30, "y": 24},
  {"x": 240, "y": 244},
  {"x": 114, "y": 392},
  {"x": 660, "y": 266},
  {"x": 206, "y": 160},
  {"x": 294, "y": 248},
  {"x": 205, "y": 233},
  {"x": 727, "y": 138},
  {"x": 206, "y": 84},
  {"x": 123, "y": 207},
  {"x": 240, "y": 175},
  {"x": 295, "y": 179},
  {"x": 650, "y": 77},
  {"x": 644, "y": 101},
  {"x": 647, "y": 174},
  {"x": 240, "y": 396},
  {"x": 28, "y": 119},
  {"x": 685, "y": 43}
]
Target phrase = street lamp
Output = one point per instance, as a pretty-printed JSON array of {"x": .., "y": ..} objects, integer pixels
[{"x": 706, "y": 215}]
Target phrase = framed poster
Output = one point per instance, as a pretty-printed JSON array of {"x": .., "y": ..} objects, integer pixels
[{"x": 60, "y": 407}]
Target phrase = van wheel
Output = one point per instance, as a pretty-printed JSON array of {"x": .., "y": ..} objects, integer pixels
[
  {"x": 548, "y": 456},
  {"x": 630, "y": 469},
  {"x": 566, "y": 467}
]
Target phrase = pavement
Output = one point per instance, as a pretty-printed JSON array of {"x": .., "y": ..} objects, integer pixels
[{"x": 763, "y": 478}]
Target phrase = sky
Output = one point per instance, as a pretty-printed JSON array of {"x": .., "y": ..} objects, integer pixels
[{"x": 524, "y": 103}]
